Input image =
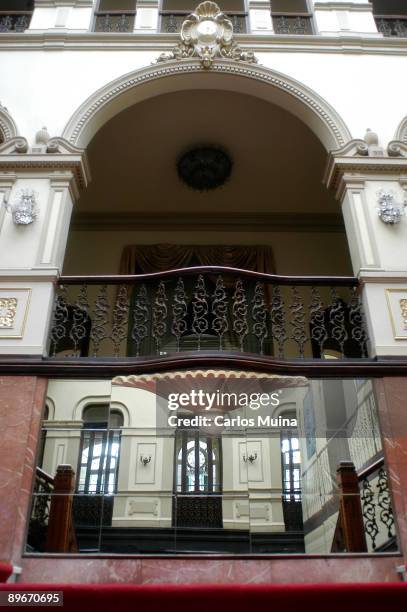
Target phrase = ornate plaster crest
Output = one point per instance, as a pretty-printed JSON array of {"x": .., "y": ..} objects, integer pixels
[{"x": 207, "y": 33}]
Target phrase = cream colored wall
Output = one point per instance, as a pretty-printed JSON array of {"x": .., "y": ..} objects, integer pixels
[{"x": 294, "y": 252}]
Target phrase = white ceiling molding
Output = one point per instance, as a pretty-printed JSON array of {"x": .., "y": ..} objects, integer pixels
[{"x": 257, "y": 81}]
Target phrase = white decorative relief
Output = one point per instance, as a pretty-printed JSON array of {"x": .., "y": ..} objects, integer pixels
[
  {"x": 8, "y": 311},
  {"x": 138, "y": 506},
  {"x": 397, "y": 305}
]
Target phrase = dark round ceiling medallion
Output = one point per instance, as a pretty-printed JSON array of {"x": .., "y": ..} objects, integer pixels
[{"x": 204, "y": 168}]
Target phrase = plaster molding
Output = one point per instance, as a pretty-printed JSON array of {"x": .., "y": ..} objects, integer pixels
[
  {"x": 70, "y": 40},
  {"x": 74, "y": 167},
  {"x": 16, "y": 145},
  {"x": 345, "y": 166},
  {"x": 401, "y": 133},
  {"x": 8, "y": 128},
  {"x": 58, "y": 3},
  {"x": 321, "y": 115}
]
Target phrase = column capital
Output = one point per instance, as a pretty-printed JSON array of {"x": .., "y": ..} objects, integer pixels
[
  {"x": 357, "y": 162},
  {"x": 60, "y": 160}
]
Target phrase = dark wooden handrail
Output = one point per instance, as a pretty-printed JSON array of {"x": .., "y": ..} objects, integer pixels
[
  {"x": 44, "y": 476},
  {"x": 117, "y": 279},
  {"x": 370, "y": 469}
]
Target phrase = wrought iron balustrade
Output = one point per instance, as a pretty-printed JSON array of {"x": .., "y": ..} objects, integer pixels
[
  {"x": 208, "y": 308},
  {"x": 378, "y": 518},
  {"x": 43, "y": 488},
  {"x": 17, "y": 21},
  {"x": 171, "y": 21},
  {"x": 392, "y": 25},
  {"x": 114, "y": 21},
  {"x": 292, "y": 24}
]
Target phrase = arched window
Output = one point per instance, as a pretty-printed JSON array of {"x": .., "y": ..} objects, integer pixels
[
  {"x": 99, "y": 451},
  {"x": 198, "y": 463}
]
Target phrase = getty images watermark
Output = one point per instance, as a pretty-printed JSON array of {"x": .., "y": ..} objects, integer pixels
[{"x": 219, "y": 408}]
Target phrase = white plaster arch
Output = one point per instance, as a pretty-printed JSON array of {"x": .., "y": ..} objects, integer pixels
[
  {"x": 8, "y": 128},
  {"x": 84, "y": 402},
  {"x": 401, "y": 133},
  {"x": 50, "y": 404},
  {"x": 240, "y": 77}
]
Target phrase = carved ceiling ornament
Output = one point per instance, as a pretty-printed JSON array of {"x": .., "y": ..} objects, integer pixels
[{"x": 207, "y": 33}]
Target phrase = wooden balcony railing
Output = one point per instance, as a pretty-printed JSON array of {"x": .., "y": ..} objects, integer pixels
[
  {"x": 208, "y": 308},
  {"x": 51, "y": 526},
  {"x": 16, "y": 21}
]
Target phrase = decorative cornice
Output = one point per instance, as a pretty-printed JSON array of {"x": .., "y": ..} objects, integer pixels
[
  {"x": 63, "y": 158},
  {"x": 51, "y": 40},
  {"x": 326, "y": 114},
  {"x": 8, "y": 128},
  {"x": 401, "y": 133}
]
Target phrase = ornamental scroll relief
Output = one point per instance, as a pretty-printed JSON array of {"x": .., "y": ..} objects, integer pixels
[
  {"x": 403, "y": 307},
  {"x": 207, "y": 33},
  {"x": 8, "y": 311}
]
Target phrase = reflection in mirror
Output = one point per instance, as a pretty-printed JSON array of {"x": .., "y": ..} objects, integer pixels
[{"x": 210, "y": 461}]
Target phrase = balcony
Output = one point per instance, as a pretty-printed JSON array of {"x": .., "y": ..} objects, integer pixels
[
  {"x": 392, "y": 25},
  {"x": 17, "y": 21},
  {"x": 212, "y": 309},
  {"x": 292, "y": 23},
  {"x": 114, "y": 21}
]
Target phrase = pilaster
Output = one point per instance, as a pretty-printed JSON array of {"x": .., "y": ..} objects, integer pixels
[
  {"x": 31, "y": 255},
  {"x": 362, "y": 172}
]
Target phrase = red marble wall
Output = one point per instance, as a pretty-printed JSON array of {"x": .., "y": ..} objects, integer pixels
[{"x": 21, "y": 406}]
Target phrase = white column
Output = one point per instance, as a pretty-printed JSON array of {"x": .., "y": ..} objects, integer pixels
[
  {"x": 378, "y": 250},
  {"x": 31, "y": 255}
]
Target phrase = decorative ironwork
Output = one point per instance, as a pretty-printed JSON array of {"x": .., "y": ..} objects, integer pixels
[
  {"x": 115, "y": 22},
  {"x": 384, "y": 502},
  {"x": 100, "y": 319},
  {"x": 356, "y": 321},
  {"x": 198, "y": 511},
  {"x": 337, "y": 320},
  {"x": 160, "y": 310},
  {"x": 179, "y": 312},
  {"x": 37, "y": 529},
  {"x": 391, "y": 26},
  {"x": 259, "y": 315},
  {"x": 239, "y": 313},
  {"x": 369, "y": 511},
  {"x": 200, "y": 310},
  {"x": 305, "y": 321},
  {"x": 80, "y": 315},
  {"x": 140, "y": 318},
  {"x": 15, "y": 22},
  {"x": 319, "y": 333},
  {"x": 299, "y": 334},
  {"x": 220, "y": 323},
  {"x": 292, "y": 24},
  {"x": 61, "y": 315},
  {"x": 120, "y": 319},
  {"x": 277, "y": 316}
]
